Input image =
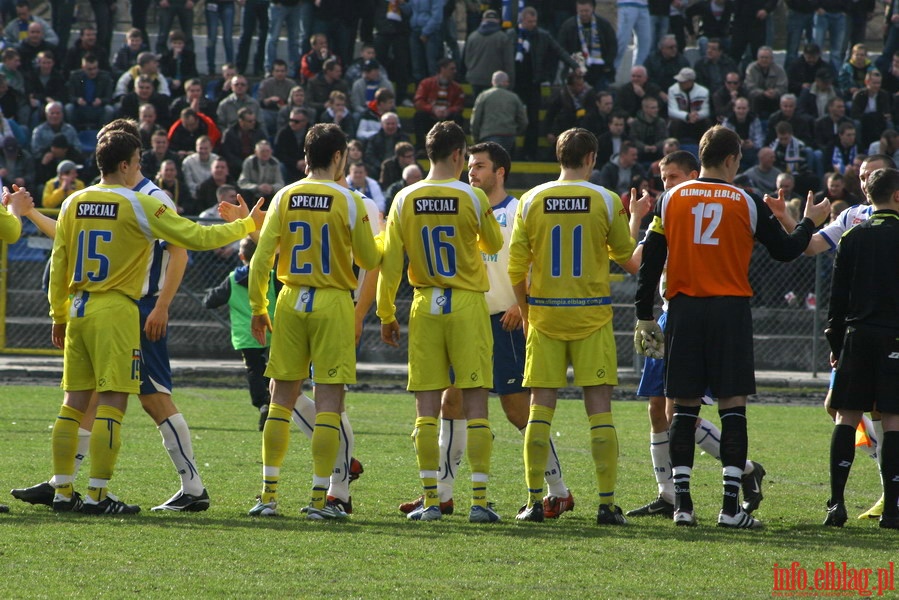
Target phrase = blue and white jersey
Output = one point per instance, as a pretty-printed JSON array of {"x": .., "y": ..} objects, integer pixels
[
  {"x": 501, "y": 296},
  {"x": 846, "y": 220},
  {"x": 159, "y": 258}
]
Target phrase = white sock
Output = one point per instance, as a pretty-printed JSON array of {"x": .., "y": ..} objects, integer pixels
[
  {"x": 176, "y": 439},
  {"x": 555, "y": 485},
  {"x": 453, "y": 438},
  {"x": 876, "y": 439},
  {"x": 84, "y": 446},
  {"x": 304, "y": 414},
  {"x": 708, "y": 437},
  {"x": 661, "y": 464},
  {"x": 340, "y": 477}
]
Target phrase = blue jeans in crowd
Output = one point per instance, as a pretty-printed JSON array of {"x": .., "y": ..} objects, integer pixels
[
  {"x": 215, "y": 14},
  {"x": 798, "y": 26},
  {"x": 834, "y": 24},
  {"x": 634, "y": 18},
  {"x": 297, "y": 18}
]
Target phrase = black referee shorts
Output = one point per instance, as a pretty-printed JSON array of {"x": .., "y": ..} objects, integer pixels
[{"x": 867, "y": 375}]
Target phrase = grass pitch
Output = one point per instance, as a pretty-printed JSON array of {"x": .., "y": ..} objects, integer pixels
[{"x": 224, "y": 553}]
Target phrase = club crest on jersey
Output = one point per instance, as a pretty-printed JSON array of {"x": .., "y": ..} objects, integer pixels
[
  {"x": 97, "y": 210},
  {"x": 436, "y": 206},
  {"x": 573, "y": 204},
  {"x": 310, "y": 202}
]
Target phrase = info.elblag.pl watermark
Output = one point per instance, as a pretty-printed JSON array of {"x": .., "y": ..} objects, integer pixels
[{"x": 833, "y": 580}]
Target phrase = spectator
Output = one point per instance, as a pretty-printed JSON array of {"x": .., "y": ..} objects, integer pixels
[
  {"x": 193, "y": 98},
  {"x": 336, "y": 112},
  {"x": 253, "y": 21},
  {"x": 689, "y": 107},
  {"x": 16, "y": 164},
  {"x": 802, "y": 73},
  {"x": 437, "y": 98},
  {"x": 359, "y": 181},
  {"x": 90, "y": 95},
  {"x": 802, "y": 124},
  {"x": 86, "y": 44},
  {"x": 751, "y": 20},
  {"x": 205, "y": 196},
  {"x": 827, "y": 127},
  {"x": 167, "y": 11},
  {"x": 723, "y": 99},
  {"x": 842, "y": 153},
  {"x": 62, "y": 17},
  {"x": 169, "y": 181},
  {"x": 766, "y": 82},
  {"x": 297, "y": 99},
  {"x": 330, "y": 79},
  {"x": 411, "y": 174},
  {"x": 33, "y": 45},
  {"x": 763, "y": 177},
  {"x": 622, "y": 172},
  {"x": 184, "y": 133},
  {"x": 830, "y": 19},
  {"x": 103, "y": 17},
  {"x": 16, "y": 30},
  {"x": 274, "y": 94},
  {"x": 792, "y": 155},
  {"x": 890, "y": 73},
  {"x": 609, "y": 144},
  {"x": 60, "y": 149},
  {"x": 197, "y": 167},
  {"x": 151, "y": 160},
  {"x": 508, "y": 117},
  {"x": 664, "y": 64},
  {"x": 261, "y": 174},
  {"x": 43, "y": 85},
  {"x": 219, "y": 12},
  {"x": 814, "y": 100},
  {"x": 715, "y": 22},
  {"x": 871, "y": 109},
  {"x": 54, "y": 126},
  {"x": 239, "y": 140},
  {"x": 145, "y": 94},
  {"x": 392, "y": 168},
  {"x": 649, "y": 131},
  {"x": 221, "y": 86},
  {"x": 62, "y": 186},
  {"x": 425, "y": 37},
  {"x": 568, "y": 106},
  {"x": 887, "y": 144},
  {"x": 597, "y": 119},
  {"x": 237, "y": 100},
  {"x": 852, "y": 73},
  {"x": 749, "y": 128},
  {"x": 296, "y": 15},
  {"x": 148, "y": 65},
  {"x": 178, "y": 63},
  {"x": 364, "y": 88},
  {"x": 392, "y": 42},
  {"x": 127, "y": 55},
  {"x": 290, "y": 145},
  {"x": 835, "y": 191},
  {"x": 370, "y": 120},
  {"x": 800, "y": 21},
  {"x": 147, "y": 125},
  {"x": 11, "y": 70},
  {"x": 354, "y": 71},
  {"x": 592, "y": 41},
  {"x": 313, "y": 62},
  {"x": 630, "y": 95},
  {"x": 487, "y": 50},
  {"x": 380, "y": 146},
  {"x": 712, "y": 70}
]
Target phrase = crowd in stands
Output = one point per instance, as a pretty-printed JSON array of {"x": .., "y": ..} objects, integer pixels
[{"x": 811, "y": 120}]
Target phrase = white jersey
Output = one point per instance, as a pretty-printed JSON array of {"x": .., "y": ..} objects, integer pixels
[
  {"x": 374, "y": 220},
  {"x": 159, "y": 258},
  {"x": 845, "y": 221},
  {"x": 501, "y": 296}
]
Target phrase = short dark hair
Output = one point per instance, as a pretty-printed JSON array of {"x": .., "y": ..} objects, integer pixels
[
  {"x": 322, "y": 141},
  {"x": 844, "y": 127},
  {"x": 384, "y": 94},
  {"x": 177, "y": 35},
  {"x": 499, "y": 156},
  {"x": 115, "y": 147},
  {"x": 443, "y": 62},
  {"x": 403, "y": 148},
  {"x": 279, "y": 62},
  {"x": 881, "y": 185},
  {"x": 717, "y": 144},
  {"x": 885, "y": 158},
  {"x": 784, "y": 128},
  {"x": 682, "y": 158},
  {"x": 126, "y": 125},
  {"x": 89, "y": 58},
  {"x": 444, "y": 138},
  {"x": 330, "y": 64},
  {"x": 573, "y": 145},
  {"x": 247, "y": 248}
]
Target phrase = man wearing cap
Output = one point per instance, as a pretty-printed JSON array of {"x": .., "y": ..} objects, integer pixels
[
  {"x": 147, "y": 64},
  {"x": 801, "y": 73},
  {"x": 365, "y": 88},
  {"x": 688, "y": 106},
  {"x": 766, "y": 82},
  {"x": 488, "y": 50},
  {"x": 63, "y": 185}
]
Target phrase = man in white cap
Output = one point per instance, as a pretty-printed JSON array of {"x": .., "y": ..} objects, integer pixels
[{"x": 688, "y": 107}]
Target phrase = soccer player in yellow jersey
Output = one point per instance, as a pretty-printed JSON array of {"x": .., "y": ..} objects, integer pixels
[
  {"x": 100, "y": 254},
  {"x": 319, "y": 227},
  {"x": 443, "y": 225},
  {"x": 565, "y": 233}
]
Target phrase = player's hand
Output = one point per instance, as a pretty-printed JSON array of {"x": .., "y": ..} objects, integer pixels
[
  {"x": 157, "y": 322},
  {"x": 511, "y": 319},
  {"x": 777, "y": 205},
  {"x": 257, "y": 213},
  {"x": 817, "y": 212},
  {"x": 19, "y": 202},
  {"x": 58, "y": 336},
  {"x": 260, "y": 326},
  {"x": 649, "y": 339},
  {"x": 390, "y": 333},
  {"x": 640, "y": 206},
  {"x": 231, "y": 212}
]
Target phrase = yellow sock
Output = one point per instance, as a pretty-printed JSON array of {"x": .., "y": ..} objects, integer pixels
[
  {"x": 64, "y": 441},
  {"x": 106, "y": 439},
  {"x": 428, "y": 453},
  {"x": 325, "y": 443},
  {"x": 604, "y": 446},
  {"x": 480, "y": 448},
  {"x": 536, "y": 450},
  {"x": 275, "y": 440}
]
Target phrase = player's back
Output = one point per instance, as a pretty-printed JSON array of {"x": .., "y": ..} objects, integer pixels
[
  {"x": 709, "y": 226},
  {"x": 439, "y": 222}
]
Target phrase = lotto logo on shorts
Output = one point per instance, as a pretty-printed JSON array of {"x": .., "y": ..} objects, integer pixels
[
  {"x": 436, "y": 206},
  {"x": 578, "y": 204},
  {"x": 135, "y": 364},
  {"x": 310, "y": 202}
]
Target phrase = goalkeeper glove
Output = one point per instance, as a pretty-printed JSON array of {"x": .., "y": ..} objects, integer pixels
[{"x": 649, "y": 339}]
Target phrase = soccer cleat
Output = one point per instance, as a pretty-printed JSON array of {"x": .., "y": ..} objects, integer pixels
[
  {"x": 659, "y": 506},
  {"x": 752, "y": 488},
  {"x": 874, "y": 512},
  {"x": 683, "y": 518},
  {"x": 64, "y": 504},
  {"x": 355, "y": 469},
  {"x": 109, "y": 506},
  {"x": 553, "y": 506},
  {"x": 263, "y": 415},
  {"x": 836, "y": 514},
  {"x": 741, "y": 520},
  {"x": 4, "y": 508},
  {"x": 610, "y": 515},
  {"x": 431, "y": 513},
  {"x": 889, "y": 522},
  {"x": 330, "y": 512},
  {"x": 346, "y": 507},
  {"x": 41, "y": 493},
  {"x": 446, "y": 508},
  {"x": 532, "y": 513},
  {"x": 264, "y": 509},
  {"x": 480, "y": 514},
  {"x": 182, "y": 502}
]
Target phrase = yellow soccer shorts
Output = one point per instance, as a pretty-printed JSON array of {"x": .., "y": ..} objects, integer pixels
[
  {"x": 317, "y": 326},
  {"x": 449, "y": 328},
  {"x": 594, "y": 359},
  {"x": 102, "y": 348}
]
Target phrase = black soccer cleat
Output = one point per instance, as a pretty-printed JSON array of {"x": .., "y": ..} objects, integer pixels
[
  {"x": 752, "y": 488},
  {"x": 659, "y": 506},
  {"x": 533, "y": 513},
  {"x": 836, "y": 514},
  {"x": 41, "y": 493},
  {"x": 610, "y": 515},
  {"x": 889, "y": 522},
  {"x": 62, "y": 504},
  {"x": 109, "y": 506},
  {"x": 182, "y": 502},
  {"x": 4, "y": 508}
]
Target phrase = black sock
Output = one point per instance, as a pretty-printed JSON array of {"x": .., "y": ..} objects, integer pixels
[
  {"x": 734, "y": 443},
  {"x": 681, "y": 446},
  {"x": 890, "y": 471},
  {"x": 842, "y": 452}
]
